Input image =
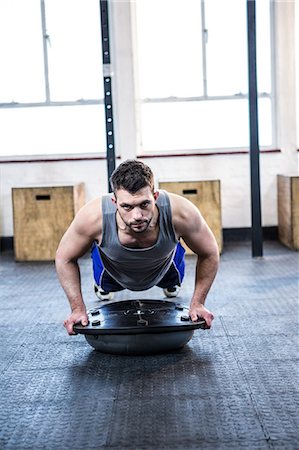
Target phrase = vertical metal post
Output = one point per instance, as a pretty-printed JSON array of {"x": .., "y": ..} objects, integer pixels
[
  {"x": 204, "y": 40},
  {"x": 107, "y": 72},
  {"x": 256, "y": 225},
  {"x": 45, "y": 48}
]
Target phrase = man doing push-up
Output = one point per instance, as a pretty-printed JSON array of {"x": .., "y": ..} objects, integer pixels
[{"x": 134, "y": 236}]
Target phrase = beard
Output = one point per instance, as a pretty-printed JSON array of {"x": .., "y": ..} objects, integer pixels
[{"x": 137, "y": 226}]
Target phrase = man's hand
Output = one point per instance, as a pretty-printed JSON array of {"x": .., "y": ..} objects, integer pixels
[
  {"x": 77, "y": 316},
  {"x": 200, "y": 312}
]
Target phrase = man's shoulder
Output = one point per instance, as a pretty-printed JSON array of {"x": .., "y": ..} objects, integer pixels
[
  {"x": 97, "y": 202},
  {"x": 91, "y": 211},
  {"x": 88, "y": 220},
  {"x": 176, "y": 200},
  {"x": 182, "y": 208},
  {"x": 95, "y": 208},
  {"x": 94, "y": 204}
]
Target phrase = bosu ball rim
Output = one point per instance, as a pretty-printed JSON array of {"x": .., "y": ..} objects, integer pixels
[{"x": 138, "y": 327}]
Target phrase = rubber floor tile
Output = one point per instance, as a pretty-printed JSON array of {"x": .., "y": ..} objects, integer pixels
[
  {"x": 184, "y": 378},
  {"x": 232, "y": 387},
  {"x": 255, "y": 308},
  {"x": 265, "y": 348},
  {"x": 56, "y": 424},
  {"x": 185, "y": 421},
  {"x": 261, "y": 325},
  {"x": 37, "y": 333},
  {"x": 279, "y": 414},
  {"x": 58, "y": 385},
  {"x": 271, "y": 377},
  {"x": 50, "y": 356}
]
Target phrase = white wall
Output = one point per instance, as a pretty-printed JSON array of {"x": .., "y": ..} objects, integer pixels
[
  {"x": 232, "y": 170},
  {"x": 297, "y": 72},
  {"x": 92, "y": 173}
]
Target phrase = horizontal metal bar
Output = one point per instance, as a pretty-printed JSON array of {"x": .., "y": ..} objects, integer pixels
[
  {"x": 49, "y": 159},
  {"x": 201, "y": 98},
  {"x": 53, "y": 103},
  {"x": 145, "y": 100},
  {"x": 202, "y": 152}
]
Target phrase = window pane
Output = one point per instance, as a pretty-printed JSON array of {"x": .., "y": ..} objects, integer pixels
[
  {"x": 201, "y": 125},
  {"x": 169, "y": 48},
  {"x": 226, "y": 47},
  {"x": 263, "y": 45},
  {"x": 227, "y": 66},
  {"x": 52, "y": 130},
  {"x": 265, "y": 122},
  {"x": 21, "y": 52},
  {"x": 74, "y": 50}
]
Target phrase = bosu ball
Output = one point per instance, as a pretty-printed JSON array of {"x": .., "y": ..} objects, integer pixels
[{"x": 139, "y": 327}]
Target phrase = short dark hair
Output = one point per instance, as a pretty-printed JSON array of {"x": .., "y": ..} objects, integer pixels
[{"x": 132, "y": 175}]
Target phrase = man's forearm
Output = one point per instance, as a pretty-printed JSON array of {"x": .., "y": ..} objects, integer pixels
[
  {"x": 70, "y": 280},
  {"x": 206, "y": 269}
]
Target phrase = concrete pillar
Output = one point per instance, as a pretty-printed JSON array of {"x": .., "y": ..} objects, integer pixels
[
  {"x": 123, "y": 79},
  {"x": 285, "y": 67}
]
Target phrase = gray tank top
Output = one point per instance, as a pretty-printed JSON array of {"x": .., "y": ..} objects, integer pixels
[{"x": 137, "y": 269}]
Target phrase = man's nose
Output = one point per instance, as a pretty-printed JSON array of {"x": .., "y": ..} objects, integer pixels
[{"x": 137, "y": 213}]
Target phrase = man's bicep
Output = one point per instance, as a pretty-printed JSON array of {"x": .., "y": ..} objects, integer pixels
[
  {"x": 84, "y": 229},
  {"x": 199, "y": 237},
  {"x": 73, "y": 244}
]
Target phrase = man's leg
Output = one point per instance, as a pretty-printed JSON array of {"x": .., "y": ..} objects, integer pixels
[
  {"x": 104, "y": 285},
  {"x": 173, "y": 278}
]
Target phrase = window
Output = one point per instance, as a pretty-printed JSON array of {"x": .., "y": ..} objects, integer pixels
[
  {"x": 51, "y": 78},
  {"x": 192, "y": 74},
  {"x": 74, "y": 49},
  {"x": 51, "y": 130},
  {"x": 21, "y": 52}
]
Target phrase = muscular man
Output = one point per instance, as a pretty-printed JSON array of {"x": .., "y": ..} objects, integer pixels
[{"x": 134, "y": 235}]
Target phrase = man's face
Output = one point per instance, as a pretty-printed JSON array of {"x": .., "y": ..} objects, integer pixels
[{"x": 136, "y": 210}]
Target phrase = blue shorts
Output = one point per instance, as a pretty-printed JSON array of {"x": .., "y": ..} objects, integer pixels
[{"x": 173, "y": 277}]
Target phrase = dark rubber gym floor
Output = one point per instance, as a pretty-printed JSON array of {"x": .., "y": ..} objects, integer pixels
[{"x": 232, "y": 387}]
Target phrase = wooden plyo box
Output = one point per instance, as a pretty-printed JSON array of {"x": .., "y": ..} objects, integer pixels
[
  {"x": 206, "y": 196},
  {"x": 41, "y": 215},
  {"x": 288, "y": 210}
]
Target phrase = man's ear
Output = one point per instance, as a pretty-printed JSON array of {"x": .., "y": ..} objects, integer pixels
[
  {"x": 156, "y": 195},
  {"x": 113, "y": 199}
]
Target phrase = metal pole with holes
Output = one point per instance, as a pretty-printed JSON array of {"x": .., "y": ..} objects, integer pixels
[{"x": 107, "y": 73}]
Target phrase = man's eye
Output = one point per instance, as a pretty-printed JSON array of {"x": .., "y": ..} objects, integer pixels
[{"x": 144, "y": 205}]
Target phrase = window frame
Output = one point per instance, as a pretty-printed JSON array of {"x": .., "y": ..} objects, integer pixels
[
  {"x": 53, "y": 103},
  {"x": 205, "y": 97}
]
